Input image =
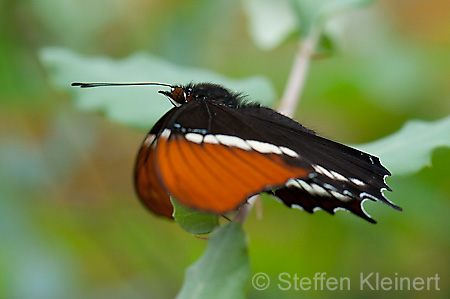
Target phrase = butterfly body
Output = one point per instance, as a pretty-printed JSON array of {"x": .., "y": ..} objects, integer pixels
[{"x": 213, "y": 150}]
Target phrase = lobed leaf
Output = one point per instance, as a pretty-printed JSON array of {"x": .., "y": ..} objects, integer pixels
[
  {"x": 410, "y": 149},
  {"x": 136, "y": 106}
]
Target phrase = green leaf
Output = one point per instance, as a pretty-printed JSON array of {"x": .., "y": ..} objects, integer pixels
[
  {"x": 311, "y": 13},
  {"x": 410, "y": 149},
  {"x": 333, "y": 7},
  {"x": 193, "y": 221},
  {"x": 136, "y": 106},
  {"x": 223, "y": 271},
  {"x": 270, "y": 22}
]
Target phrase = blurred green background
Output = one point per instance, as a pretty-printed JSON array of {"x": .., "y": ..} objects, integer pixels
[{"x": 71, "y": 225}]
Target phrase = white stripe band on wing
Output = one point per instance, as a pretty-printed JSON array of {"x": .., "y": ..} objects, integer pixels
[
  {"x": 289, "y": 152},
  {"x": 149, "y": 139},
  {"x": 263, "y": 147},
  {"x": 357, "y": 182},
  {"x": 233, "y": 141},
  {"x": 293, "y": 183},
  {"x": 323, "y": 171},
  {"x": 340, "y": 196},
  {"x": 319, "y": 190},
  {"x": 166, "y": 133},
  {"x": 306, "y": 186},
  {"x": 210, "y": 139},
  {"x": 194, "y": 137},
  {"x": 338, "y": 176}
]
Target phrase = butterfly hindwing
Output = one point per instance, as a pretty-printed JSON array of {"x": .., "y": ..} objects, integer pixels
[{"x": 343, "y": 177}]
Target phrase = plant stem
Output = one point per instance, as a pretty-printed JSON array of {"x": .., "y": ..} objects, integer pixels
[
  {"x": 241, "y": 215},
  {"x": 291, "y": 96},
  {"x": 297, "y": 77}
]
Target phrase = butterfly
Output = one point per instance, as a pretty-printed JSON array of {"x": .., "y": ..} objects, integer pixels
[{"x": 214, "y": 149}]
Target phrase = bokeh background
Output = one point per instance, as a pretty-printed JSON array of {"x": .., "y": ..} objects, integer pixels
[{"x": 70, "y": 223}]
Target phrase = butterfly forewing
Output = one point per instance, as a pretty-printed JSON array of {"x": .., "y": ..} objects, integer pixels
[
  {"x": 148, "y": 184},
  {"x": 210, "y": 168},
  {"x": 147, "y": 181}
]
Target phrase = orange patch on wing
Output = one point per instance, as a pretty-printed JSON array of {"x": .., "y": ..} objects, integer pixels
[
  {"x": 148, "y": 185},
  {"x": 216, "y": 178}
]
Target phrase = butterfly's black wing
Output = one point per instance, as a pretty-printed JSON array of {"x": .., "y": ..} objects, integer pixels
[
  {"x": 212, "y": 157},
  {"x": 343, "y": 177}
]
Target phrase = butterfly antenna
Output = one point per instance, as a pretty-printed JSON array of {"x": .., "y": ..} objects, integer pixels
[{"x": 87, "y": 85}]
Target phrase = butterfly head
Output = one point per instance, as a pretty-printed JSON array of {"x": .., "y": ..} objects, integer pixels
[{"x": 179, "y": 95}]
